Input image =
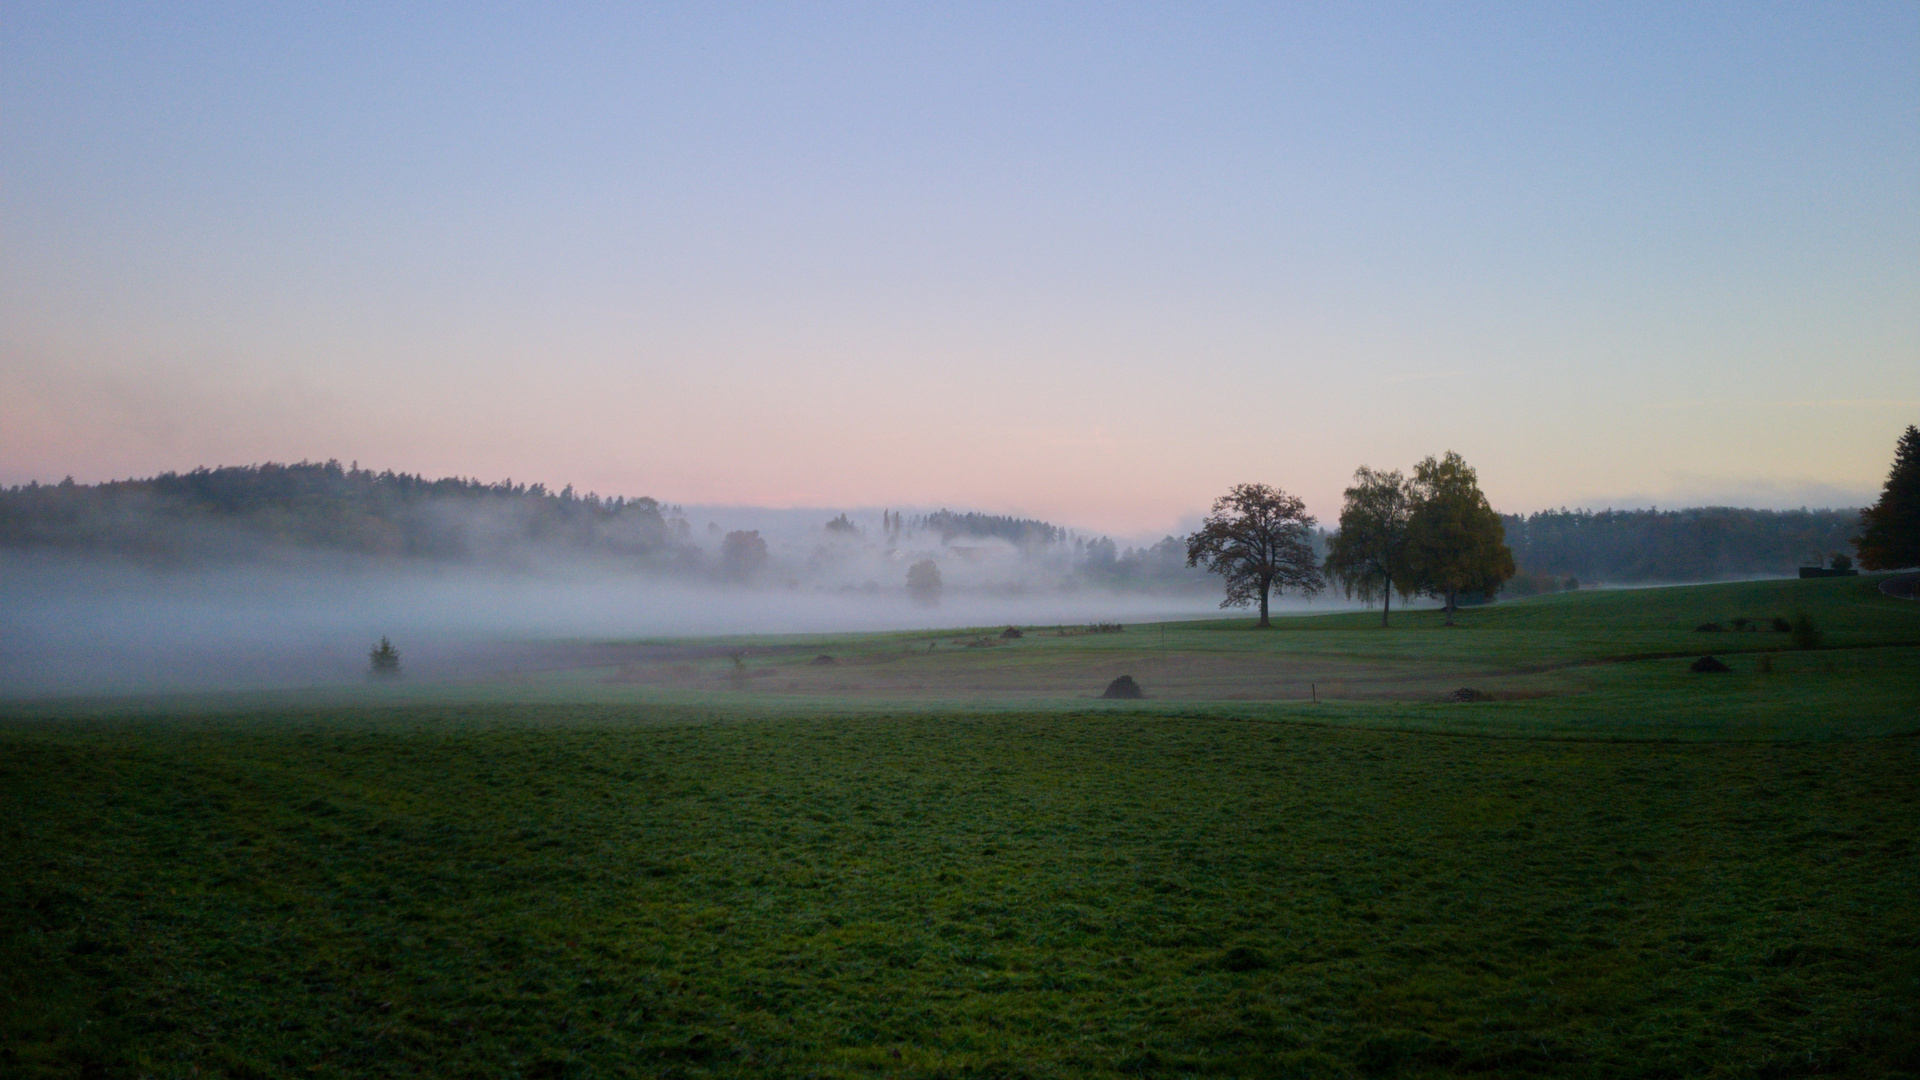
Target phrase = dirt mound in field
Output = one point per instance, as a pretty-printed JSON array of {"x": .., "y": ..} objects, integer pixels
[
  {"x": 1123, "y": 687},
  {"x": 1706, "y": 665},
  {"x": 823, "y": 660},
  {"x": 1468, "y": 693}
]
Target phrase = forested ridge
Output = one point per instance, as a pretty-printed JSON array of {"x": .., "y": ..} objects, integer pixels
[{"x": 233, "y": 510}]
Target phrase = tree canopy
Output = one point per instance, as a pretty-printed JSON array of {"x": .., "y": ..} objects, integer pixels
[
  {"x": 1890, "y": 529},
  {"x": 1258, "y": 539},
  {"x": 1455, "y": 542},
  {"x": 1367, "y": 553}
]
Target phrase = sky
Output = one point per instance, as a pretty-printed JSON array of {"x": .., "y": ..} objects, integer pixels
[{"x": 1090, "y": 263}]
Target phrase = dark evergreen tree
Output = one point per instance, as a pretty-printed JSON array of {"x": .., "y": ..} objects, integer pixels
[
  {"x": 383, "y": 660},
  {"x": 1890, "y": 529}
]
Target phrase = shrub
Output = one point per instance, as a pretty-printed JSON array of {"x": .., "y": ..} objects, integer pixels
[
  {"x": 1781, "y": 626},
  {"x": 1571, "y": 584},
  {"x": 1805, "y": 634},
  {"x": 1740, "y": 624},
  {"x": 1529, "y": 583}
]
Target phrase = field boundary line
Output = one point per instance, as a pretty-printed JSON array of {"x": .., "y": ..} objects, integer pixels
[{"x": 1905, "y": 581}]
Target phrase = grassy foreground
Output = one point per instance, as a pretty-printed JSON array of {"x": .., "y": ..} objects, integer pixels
[{"x": 643, "y": 888}]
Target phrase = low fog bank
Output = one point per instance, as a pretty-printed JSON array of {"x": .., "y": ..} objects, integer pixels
[
  {"x": 286, "y": 575},
  {"x": 273, "y": 513},
  {"x": 83, "y": 626}
]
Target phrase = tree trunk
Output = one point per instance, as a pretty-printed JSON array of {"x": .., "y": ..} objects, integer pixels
[
  {"x": 1449, "y": 607},
  {"x": 1386, "y": 604},
  {"x": 1263, "y": 604}
]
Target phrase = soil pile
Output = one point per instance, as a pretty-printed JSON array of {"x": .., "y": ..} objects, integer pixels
[
  {"x": 1468, "y": 693},
  {"x": 1707, "y": 665},
  {"x": 1123, "y": 687}
]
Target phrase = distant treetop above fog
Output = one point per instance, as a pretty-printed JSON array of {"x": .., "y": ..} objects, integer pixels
[{"x": 1022, "y": 532}]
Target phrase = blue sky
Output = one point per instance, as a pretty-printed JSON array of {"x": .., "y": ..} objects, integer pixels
[{"x": 1094, "y": 263}]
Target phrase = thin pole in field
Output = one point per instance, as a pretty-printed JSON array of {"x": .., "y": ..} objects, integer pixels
[{"x": 1163, "y": 651}]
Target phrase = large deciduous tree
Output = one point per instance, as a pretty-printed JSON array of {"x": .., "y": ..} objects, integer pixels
[
  {"x": 1368, "y": 552},
  {"x": 1256, "y": 538},
  {"x": 1890, "y": 529},
  {"x": 1455, "y": 542}
]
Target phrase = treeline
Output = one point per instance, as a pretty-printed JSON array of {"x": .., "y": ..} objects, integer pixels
[
  {"x": 238, "y": 512},
  {"x": 1161, "y": 566},
  {"x": 1699, "y": 544},
  {"x": 242, "y": 510},
  {"x": 1094, "y": 560},
  {"x": 1020, "y": 532}
]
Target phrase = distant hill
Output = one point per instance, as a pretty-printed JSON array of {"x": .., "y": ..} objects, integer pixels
[
  {"x": 239, "y": 511},
  {"x": 1699, "y": 544}
]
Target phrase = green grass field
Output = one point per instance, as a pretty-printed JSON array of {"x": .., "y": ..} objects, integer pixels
[{"x": 959, "y": 863}]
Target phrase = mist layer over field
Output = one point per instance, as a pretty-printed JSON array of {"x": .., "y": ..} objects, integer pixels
[
  {"x": 276, "y": 575},
  {"x": 72, "y": 625}
]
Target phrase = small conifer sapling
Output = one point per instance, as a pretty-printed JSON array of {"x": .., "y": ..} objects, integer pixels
[{"x": 383, "y": 660}]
